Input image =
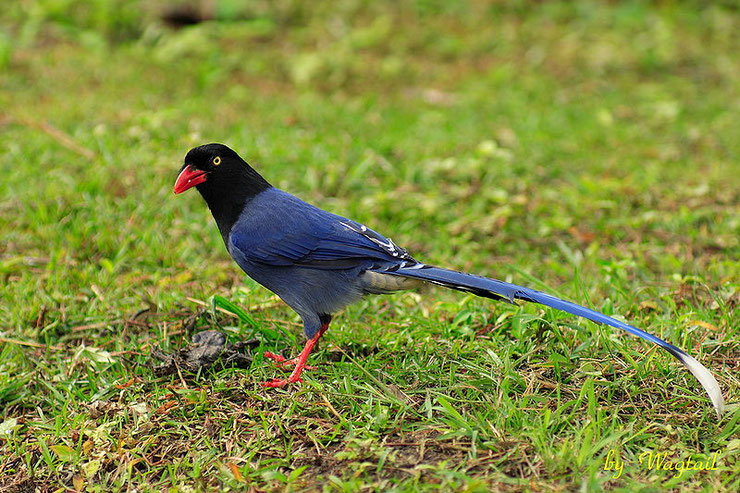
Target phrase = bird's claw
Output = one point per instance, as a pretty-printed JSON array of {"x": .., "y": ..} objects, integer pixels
[
  {"x": 275, "y": 357},
  {"x": 276, "y": 383},
  {"x": 281, "y": 361}
]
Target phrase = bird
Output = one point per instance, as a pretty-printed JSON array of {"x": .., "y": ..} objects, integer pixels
[{"x": 318, "y": 262}]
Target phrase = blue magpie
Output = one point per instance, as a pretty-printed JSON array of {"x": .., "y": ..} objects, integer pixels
[{"x": 318, "y": 262}]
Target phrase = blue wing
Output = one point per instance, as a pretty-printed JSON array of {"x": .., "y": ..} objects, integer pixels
[{"x": 279, "y": 229}]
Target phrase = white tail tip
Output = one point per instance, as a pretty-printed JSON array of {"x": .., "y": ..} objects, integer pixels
[{"x": 707, "y": 381}]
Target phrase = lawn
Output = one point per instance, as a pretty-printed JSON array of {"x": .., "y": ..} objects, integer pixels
[{"x": 587, "y": 149}]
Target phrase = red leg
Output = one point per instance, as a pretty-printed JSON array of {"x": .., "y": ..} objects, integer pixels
[{"x": 300, "y": 361}]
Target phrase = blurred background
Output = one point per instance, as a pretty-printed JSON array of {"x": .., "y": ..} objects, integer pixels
[{"x": 475, "y": 133}]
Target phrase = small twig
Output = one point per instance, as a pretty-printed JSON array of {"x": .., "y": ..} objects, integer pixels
[
  {"x": 96, "y": 325},
  {"x": 40, "y": 319},
  {"x": 197, "y": 302},
  {"x": 179, "y": 374},
  {"x": 284, "y": 322},
  {"x": 218, "y": 308},
  {"x": 264, "y": 306},
  {"x": 98, "y": 293},
  {"x": 121, "y": 353},
  {"x": 331, "y": 408},
  {"x": 62, "y": 138},
  {"x": 32, "y": 344}
]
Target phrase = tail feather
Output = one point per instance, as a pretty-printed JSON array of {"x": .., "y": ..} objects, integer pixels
[{"x": 495, "y": 289}]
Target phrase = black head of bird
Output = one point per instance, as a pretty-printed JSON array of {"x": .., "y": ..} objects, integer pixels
[{"x": 223, "y": 178}]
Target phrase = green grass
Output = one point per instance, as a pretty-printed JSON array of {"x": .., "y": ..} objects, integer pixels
[{"x": 588, "y": 149}]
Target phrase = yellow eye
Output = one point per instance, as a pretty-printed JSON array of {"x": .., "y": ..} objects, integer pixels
[{"x": 217, "y": 160}]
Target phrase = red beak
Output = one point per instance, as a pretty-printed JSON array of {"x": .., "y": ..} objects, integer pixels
[{"x": 188, "y": 178}]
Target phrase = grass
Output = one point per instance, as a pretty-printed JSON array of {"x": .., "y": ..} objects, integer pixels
[{"x": 589, "y": 149}]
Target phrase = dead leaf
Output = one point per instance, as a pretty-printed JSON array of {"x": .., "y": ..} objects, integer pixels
[
  {"x": 236, "y": 472},
  {"x": 706, "y": 325}
]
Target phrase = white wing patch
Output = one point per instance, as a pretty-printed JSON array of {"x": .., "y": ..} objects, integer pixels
[{"x": 384, "y": 243}]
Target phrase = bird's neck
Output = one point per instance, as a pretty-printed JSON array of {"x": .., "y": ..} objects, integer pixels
[{"x": 228, "y": 199}]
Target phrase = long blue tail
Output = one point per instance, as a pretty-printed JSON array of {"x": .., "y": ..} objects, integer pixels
[{"x": 493, "y": 288}]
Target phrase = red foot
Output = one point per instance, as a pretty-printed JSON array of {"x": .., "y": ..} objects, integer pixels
[
  {"x": 299, "y": 362},
  {"x": 277, "y": 383},
  {"x": 275, "y": 357},
  {"x": 281, "y": 361}
]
